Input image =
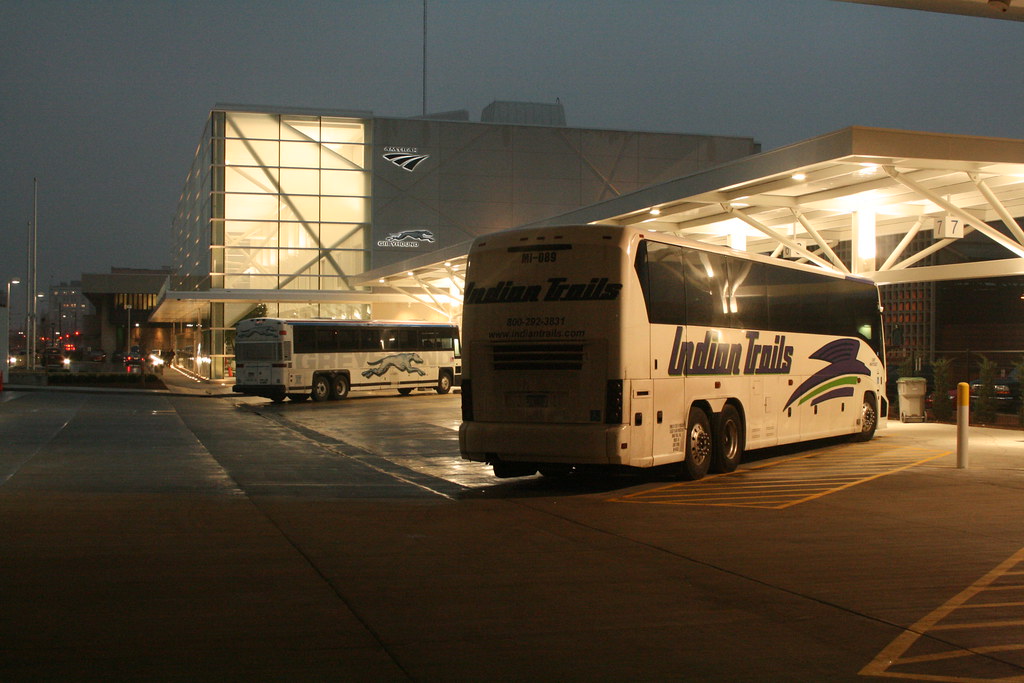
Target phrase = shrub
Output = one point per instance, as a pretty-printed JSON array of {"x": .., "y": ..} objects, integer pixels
[
  {"x": 985, "y": 402},
  {"x": 942, "y": 407}
]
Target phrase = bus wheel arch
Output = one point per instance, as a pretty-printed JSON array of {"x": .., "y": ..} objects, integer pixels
[
  {"x": 729, "y": 438},
  {"x": 867, "y": 419},
  {"x": 698, "y": 442},
  {"x": 340, "y": 385},
  {"x": 321, "y": 390}
]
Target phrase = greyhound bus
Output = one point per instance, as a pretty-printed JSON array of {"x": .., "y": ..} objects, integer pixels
[
  {"x": 606, "y": 346},
  {"x": 326, "y": 359}
]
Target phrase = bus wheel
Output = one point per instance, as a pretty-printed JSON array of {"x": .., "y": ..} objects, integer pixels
[
  {"x": 339, "y": 388},
  {"x": 728, "y": 441},
  {"x": 698, "y": 445},
  {"x": 868, "y": 419},
  {"x": 405, "y": 391},
  {"x": 321, "y": 388},
  {"x": 444, "y": 383}
]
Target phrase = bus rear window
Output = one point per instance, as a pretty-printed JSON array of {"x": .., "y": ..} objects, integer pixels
[{"x": 264, "y": 350}]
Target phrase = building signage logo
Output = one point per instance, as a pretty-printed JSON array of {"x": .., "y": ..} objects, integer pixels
[
  {"x": 406, "y": 158},
  {"x": 406, "y": 238}
]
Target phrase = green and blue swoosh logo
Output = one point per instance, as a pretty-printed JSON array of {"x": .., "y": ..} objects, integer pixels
[{"x": 837, "y": 379}]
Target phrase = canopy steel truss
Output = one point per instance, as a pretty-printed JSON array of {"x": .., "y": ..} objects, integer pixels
[{"x": 801, "y": 203}]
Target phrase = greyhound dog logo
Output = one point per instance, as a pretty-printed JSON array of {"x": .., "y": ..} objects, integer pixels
[
  {"x": 403, "y": 362},
  {"x": 418, "y": 235},
  {"x": 835, "y": 380},
  {"x": 264, "y": 332},
  {"x": 407, "y": 238},
  {"x": 405, "y": 160}
]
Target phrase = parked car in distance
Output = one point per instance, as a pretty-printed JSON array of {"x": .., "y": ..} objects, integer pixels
[
  {"x": 135, "y": 356},
  {"x": 96, "y": 356},
  {"x": 1006, "y": 392},
  {"x": 54, "y": 359}
]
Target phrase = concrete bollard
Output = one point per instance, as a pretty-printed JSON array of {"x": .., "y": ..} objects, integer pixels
[{"x": 963, "y": 421}]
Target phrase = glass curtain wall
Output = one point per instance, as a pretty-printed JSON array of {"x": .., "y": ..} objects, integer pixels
[
  {"x": 296, "y": 195},
  {"x": 286, "y": 207}
]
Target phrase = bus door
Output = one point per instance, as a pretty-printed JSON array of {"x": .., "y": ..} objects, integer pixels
[
  {"x": 642, "y": 420},
  {"x": 759, "y": 428},
  {"x": 670, "y": 397},
  {"x": 788, "y": 425}
]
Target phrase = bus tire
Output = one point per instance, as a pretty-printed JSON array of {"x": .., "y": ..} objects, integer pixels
[
  {"x": 321, "y": 390},
  {"x": 339, "y": 386},
  {"x": 405, "y": 391},
  {"x": 868, "y": 419},
  {"x": 444, "y": 383},
  {"x": 729, "y": 434},
  {"x": 699, "y": 445}
]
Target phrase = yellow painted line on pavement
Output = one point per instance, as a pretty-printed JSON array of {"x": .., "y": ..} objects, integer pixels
[
  {"x": 981, "y": 639},
  {"x": 783, "y": 483}
]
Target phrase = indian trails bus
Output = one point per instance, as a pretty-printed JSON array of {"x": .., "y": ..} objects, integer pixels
[
  {"x": 326, "y": 359},
  {"x": 599, "y": 346}
]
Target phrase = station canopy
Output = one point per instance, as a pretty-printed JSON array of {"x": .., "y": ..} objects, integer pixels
[{"x": 871, "y": 202}]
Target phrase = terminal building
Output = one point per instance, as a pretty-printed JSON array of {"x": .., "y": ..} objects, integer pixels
[
  {"x": 351, "y": 216},
  {"x": 303, "y": 213}
]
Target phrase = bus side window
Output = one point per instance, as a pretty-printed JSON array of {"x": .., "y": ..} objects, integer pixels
[
  {"x": 326, "y": 339},
  {"x": 705, "y": 282},
  {"x": 348, "y": 339},
  {"x": 748, "y": 303},
  {"x": 660, "y": 269},
  {"x": 305, "y": 341},
  {"x": 397, "y": 339},
  {"x": 370, "y": 339}
]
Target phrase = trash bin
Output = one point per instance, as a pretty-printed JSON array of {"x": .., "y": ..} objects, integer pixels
[{"x": 911, "y": 395}]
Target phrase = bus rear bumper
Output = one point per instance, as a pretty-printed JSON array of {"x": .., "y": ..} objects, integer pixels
[{"x": 574, "y": 444}]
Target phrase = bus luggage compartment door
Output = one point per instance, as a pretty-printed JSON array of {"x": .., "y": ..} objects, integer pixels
[{"x": 642, "y": 422}]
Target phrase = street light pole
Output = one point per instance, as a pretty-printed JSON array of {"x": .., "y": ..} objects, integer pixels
[{"x": 5, "y": 343}]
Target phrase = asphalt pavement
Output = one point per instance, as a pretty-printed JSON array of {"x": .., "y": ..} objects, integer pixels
[{"x": 153, "y": 536}]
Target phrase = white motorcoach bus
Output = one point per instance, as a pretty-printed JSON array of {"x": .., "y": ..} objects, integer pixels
[
  {"x": 601, "y": 345},
  {"x": 326, "y": 359}
]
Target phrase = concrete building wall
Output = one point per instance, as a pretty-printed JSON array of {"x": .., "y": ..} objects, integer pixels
[{"x": 472, "y": 178}]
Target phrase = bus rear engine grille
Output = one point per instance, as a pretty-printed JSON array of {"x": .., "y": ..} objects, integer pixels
[{"x": 549, "y": 356}]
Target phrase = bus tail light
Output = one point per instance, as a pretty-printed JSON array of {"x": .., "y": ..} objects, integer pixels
[
  {"x": 467, "y": 401},
  {"x": 613, "y": 402}
]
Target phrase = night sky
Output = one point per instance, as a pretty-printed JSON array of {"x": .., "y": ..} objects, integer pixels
[{"x": 104, "y": 102}]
